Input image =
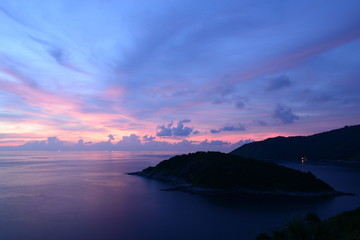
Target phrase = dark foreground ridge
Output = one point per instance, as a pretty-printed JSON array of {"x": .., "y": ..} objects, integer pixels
[
  {"x": 215, "y": 172},
  {"x": 342, "y": 226},
  {"x": 340, "y": 144}
]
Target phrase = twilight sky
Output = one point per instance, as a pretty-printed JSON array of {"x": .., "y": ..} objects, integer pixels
[{"x": 153, "y": 72}]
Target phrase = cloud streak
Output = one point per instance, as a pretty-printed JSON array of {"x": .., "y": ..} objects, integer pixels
[
  {"x": 229, "y": 128},
  {"x": 111, "y": 70}
]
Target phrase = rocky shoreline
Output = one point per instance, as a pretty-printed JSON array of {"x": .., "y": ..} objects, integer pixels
[{"x": 183, "y": 186}]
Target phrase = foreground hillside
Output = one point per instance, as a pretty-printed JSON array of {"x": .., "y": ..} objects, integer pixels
[
  {"x": 340, "y": 227},
  {"x": 220, "y": 172},
  {"x": 339, "y": 144}
]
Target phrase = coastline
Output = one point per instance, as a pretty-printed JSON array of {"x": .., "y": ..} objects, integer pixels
[{"x": 183, "y": 186}]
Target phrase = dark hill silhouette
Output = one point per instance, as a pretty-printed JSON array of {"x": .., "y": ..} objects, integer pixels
[
  {"x": 215, "y": 172},
  {"x": 342, "y": 226},
  {"x": 340, "y": 144}
]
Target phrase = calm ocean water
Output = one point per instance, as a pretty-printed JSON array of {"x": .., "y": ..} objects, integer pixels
[{"x": 87, "y": 195}]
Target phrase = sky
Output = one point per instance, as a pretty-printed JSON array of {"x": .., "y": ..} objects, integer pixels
[{"x": 175, "y": 74}]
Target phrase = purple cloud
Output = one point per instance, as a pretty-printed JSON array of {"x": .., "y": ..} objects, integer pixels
[
  {"x": 163, "y": 131},
  {"x": 128, "y": 143},
  {"x": 111, "y": 137},
  {"x": 285, "y": 114},
  {"x": 277, "y": 83},
  {"x": 229, "y": 128},
  {"x": 43, "y": 81},
  {"x": 215, "y": 131},
  {"x": 148, "y": 138},
  {"x": 179, "y": 131},
  {"x": 131, "y": 140}
]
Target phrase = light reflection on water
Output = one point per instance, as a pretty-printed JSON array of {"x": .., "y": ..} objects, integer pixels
[{"x": 86, "y": 195}]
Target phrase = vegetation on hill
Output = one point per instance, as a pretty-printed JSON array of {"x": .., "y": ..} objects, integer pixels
[
  {"x": 217, "y": 170},
  {"x": 342, "y": 226},
  {"x": 339, "y": 144}
]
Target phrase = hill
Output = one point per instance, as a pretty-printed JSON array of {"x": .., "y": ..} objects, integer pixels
[
  {"x": 226, "y": 173},
  {"x": 342, "y": 226},
  {"x": 340, "y": 144}
]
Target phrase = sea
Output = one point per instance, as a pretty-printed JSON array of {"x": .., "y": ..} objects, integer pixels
[{"x": 88, "y": 195}]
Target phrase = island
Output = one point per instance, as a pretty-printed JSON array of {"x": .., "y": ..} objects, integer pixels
[
  {"x": 336, "y": 145},
  {"x": 221, "y": 173}
]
